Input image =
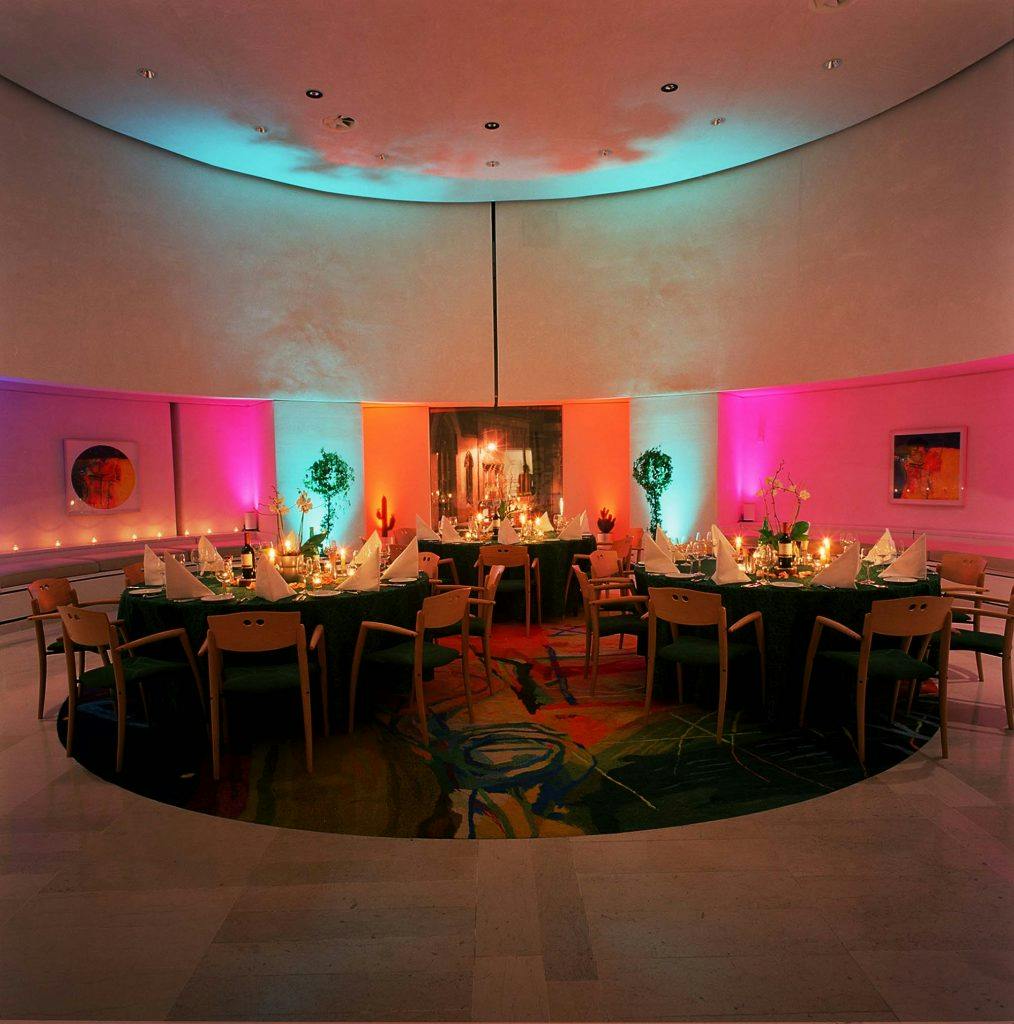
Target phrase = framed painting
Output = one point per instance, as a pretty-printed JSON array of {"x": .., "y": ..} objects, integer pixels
[
  {"x": 928, "y": 466},
  {"x": 101, "y": 476}
]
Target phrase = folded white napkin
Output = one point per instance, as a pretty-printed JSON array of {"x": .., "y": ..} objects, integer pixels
[
  {"x": 507, "y": 534},
  {"x": 208, "y": 558},
  {"x": 572, "y": 529},
  {"x": 545, "y": 524},
  {"x": 842, "y": 572},
  {"x": 179, "y": 583},
  {"x": 727, "y": 569},
  {"x": 367, "y": 575},
  {"x": 154, "y": 569},
  {"x": 269, "y": 584},
  {"x": 406, "y": 565},
  {"x": 371, "y": 547},
  {"x": 883, "y": 551},
  {"x": 655, "y": 559},
  {"x": 424, "y": 531},
  {"x": 585, "y": 528},
  {"x": 662, "y": 540},
  {"x": 448, "y": 534},
  {"x": 911, "y": 562}
]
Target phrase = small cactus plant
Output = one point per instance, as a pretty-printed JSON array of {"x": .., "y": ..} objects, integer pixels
[
  {"x": 386, "y": 524},
  {"x": 606, "y": 520}
]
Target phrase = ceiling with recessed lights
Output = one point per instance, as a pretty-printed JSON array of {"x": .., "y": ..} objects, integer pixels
[{"x": 484, "y": 100}]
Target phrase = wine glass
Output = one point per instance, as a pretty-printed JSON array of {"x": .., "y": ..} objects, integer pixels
[{"x": 223, "y": 573}]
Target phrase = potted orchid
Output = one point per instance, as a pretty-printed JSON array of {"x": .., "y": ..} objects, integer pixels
[{"x": 778, "y": 531}]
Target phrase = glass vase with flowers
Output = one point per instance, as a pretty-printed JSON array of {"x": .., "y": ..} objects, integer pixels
[{"x": 783, "y": 528}]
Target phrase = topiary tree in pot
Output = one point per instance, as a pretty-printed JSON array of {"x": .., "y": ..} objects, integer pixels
[
  {"x": 653, "y": 471},
  {"x": 331, "y": 477}
]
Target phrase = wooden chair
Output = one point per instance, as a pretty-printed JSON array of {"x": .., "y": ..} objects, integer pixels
[
  {"x": 513, "y": 556},
  {"x": 607, "y": 616},
  {"x": 480, "y": 623},
  {"x": 46, "y": 595},
  {"x": 253, "y": 632},
  {"x": 997, "y": 645},
  {"x": 133, "y": 574},
  {"x": 576, "y": 561},
  {"x": 902, "y": 618},
  {"x": 416, "y": 651},
  {"x": 636, "y": 545},
  {"x": 430, "y": 562},
  {"x": 960, "y": 574},
  {"x": 93, "y": 631},
  {"x": 694, "y": 608}
]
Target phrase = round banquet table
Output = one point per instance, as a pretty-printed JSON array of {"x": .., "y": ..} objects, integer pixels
[
  {"x": 340, "y": 616},
  {"x": 789, "y": 614},
  {"x": 555, "y": 557}
]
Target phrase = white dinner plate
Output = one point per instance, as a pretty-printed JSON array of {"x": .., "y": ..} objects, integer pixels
[
  {"x": 682, "y": 575},
  {"x": 323, "y": 593},
  {"x": 793, "y": 584},
  {"x": 145, "y": 590},
  {"x": 899, "y": 579},
  {"x": 401, "y": 579},
  {"x": 214, "y": 598}
]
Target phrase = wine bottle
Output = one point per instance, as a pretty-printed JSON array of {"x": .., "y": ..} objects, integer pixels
[
  {"x": 246, "y": 557},
  {"x": 784, "y": 551}
]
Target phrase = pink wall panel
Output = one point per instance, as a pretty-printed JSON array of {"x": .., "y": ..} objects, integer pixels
[
  {"x": 837, "y": 442},
  {"x": 396, "y": 463},
  {"x": 596, "y": 460},
  {"x": 33, "y": 507},
  {"x": 226, "y": 462}
]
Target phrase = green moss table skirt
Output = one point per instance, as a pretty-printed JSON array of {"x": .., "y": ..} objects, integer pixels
[
  {"x": 340, "y": 616},
  {"x": 789, "y": 614},
  {"x": 555, "y": 558}
]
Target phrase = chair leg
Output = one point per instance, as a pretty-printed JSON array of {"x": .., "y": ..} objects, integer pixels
[
  {"x": 913, "y": 691},
  {"x": 357, "y": 660},
  {"x": 216, "y": 729},
  {"x": 942, "y": 690},
  {"x": 861, "y": 721},
  {"x": 649, "y": 685},
  {"x": 81, "y": 663},
  {"x": 566, "y": 589},
  {"x": 465, "y": 651},
  {"x": 894, "y": 700},
  {"x": 1008, "y": 689},
  {"x": 978, "y": 664},
  {"x": 304, "y": 691},
  {"x": 420, "y": 699},
  {"x": 71, "y": 714},
  {"x": 43, "y": 673},
  {"x": 538, "y": 594},
  {"x": 587, "y": 651},
  {"x": 595, "y": 662},
  {"x": 528, "y": 608},
  {"x": 807, "y": 671},
  {"x": 723, "y": 694},
  {"x": 488, "y": 660},
  {"x": 121, "y": 727}
]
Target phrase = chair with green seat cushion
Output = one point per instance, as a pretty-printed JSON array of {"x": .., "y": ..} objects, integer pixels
[
  {"x": 904, "y": 619},
  {"x": 437, "y": 613},
  {"x": 963, "y": 572},
  {"x": 261, "y": 632},
  {"x": 514, "y": 556},
  {"x": 997, "y": 645},
  {"x": 695, "y": 609},
  {"x": 84, "y": 628}
]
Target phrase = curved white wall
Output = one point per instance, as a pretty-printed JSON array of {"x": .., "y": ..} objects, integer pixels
[{"x": 885, "y": 247}]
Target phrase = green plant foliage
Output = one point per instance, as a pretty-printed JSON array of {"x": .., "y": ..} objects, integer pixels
[
  {"x": 653, "y": 472},
  {"x": 311, "y": 546},
  {"x": 331, "y": 478}
]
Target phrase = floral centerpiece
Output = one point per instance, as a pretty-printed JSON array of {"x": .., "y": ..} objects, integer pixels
[{"x": 778, "y": 531}]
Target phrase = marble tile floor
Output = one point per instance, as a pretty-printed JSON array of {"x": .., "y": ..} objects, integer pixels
[{"x": 890, "y": 900}]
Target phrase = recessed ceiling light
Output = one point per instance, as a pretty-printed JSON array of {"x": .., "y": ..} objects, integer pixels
[
  {"x": 147, "y": 72},
  {"x": 492, "y": 163},
  {"x": 314, "y": 94},
  {"x": 670, "y": 87},
  {"x": 339, "y": 123},
  {"x": 491, "y": 125},
  {"x": 605, "y": 152},
  {"x": 716, "y": 121},
  {"x": 832, "y": 63},
  {"x": 260, "y": 129}
]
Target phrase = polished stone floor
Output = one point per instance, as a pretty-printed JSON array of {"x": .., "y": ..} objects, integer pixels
[{"x": 887, "y": 900}]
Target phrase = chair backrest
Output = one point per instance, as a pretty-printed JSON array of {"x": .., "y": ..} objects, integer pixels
[
  {"x": 491, "y": 582},
  {"x": 967, "y": 569},
  {"x": 83, "y": 627},
  {"x": 506, "y": 555},
  {"x": 429, "y": 563},
  {"x": 604, "y": 563},
  {"x": 47, "y": 595},
  {"x": 686, "y": 607},
  {"x": 133, "y": 574},
  {"x": 256, "y": 631},
  {"x": 908, "y": 616},
  {"x": 403, "y": 535},
  {"x": 588, "y": 593},
  {"x": 637, "y": 539},
  {"x": 621, "y": 548},
  {"x": 444, "y": 609}
]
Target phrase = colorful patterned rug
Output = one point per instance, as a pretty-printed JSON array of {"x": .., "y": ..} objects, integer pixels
[{"x": 542, "y": 758}]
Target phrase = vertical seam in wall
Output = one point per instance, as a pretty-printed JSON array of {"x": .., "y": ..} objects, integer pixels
[
  {"x": 496, "y": 339},
  {"x": 174, "y": 434}
]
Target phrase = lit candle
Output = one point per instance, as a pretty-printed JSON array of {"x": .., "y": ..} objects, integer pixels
[
  {"x": 739, "y": 545},
  {"x": 272, "y": 555},
  {"x": 15, "y": 548},
  {"x": 288, "y": 546},
  {"x": 342, "y": 553},
  {"x": 95, "y": 540},
  {"x": 316, "y": 579},
  {"x": 561, "y": 506},
  {"x": 57, "y": 544},
  {"x": 133, "y": 536}
]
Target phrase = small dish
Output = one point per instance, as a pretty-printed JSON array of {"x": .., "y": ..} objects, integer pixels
[
  {"x": 215, "y": 598},
  {"x": 786, "y": 584},
  {"x": 323, "y": 593},
  {"x": 144, "y": 591},
  {"x": 899, "y": 579}
]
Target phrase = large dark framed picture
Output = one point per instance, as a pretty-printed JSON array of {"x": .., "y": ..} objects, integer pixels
[
  {"x": 101, "y": 476},
  {"x": 928, "y": 466}
]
